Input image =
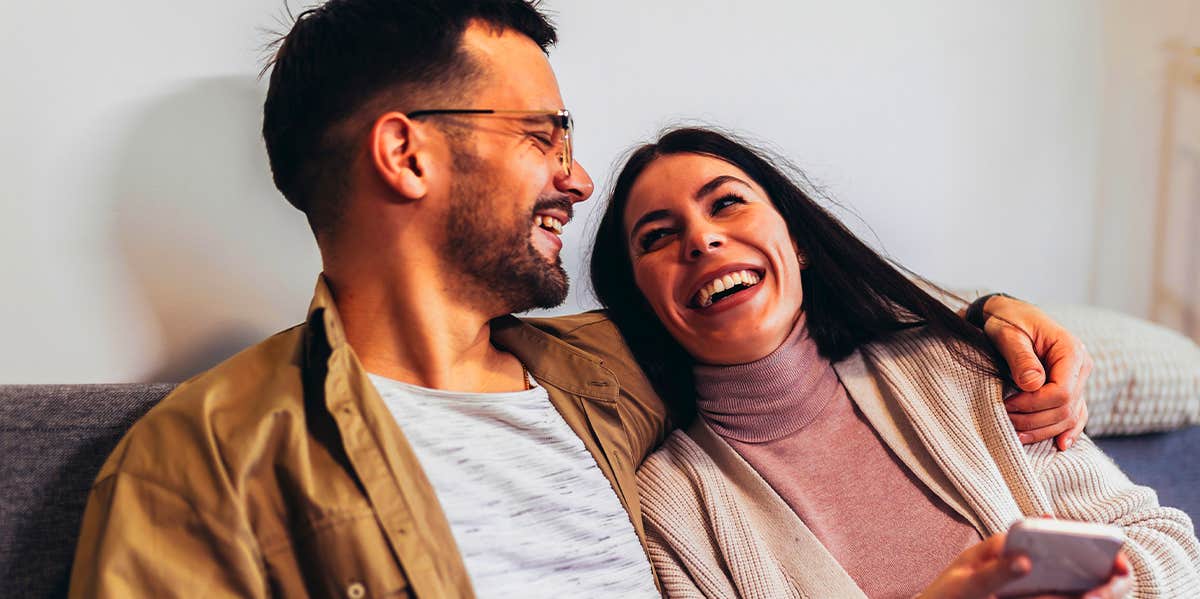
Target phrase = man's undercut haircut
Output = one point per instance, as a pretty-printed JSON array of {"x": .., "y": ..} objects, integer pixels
[{"x": 346, "y": 62}]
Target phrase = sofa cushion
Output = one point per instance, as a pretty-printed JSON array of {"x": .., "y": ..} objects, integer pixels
[
  {"x": 54, "y": 440},
  {"x": 1146, "y": 376}
]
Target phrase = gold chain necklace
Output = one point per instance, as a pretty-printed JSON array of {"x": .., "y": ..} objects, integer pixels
[{"x": 525, "y": 377}]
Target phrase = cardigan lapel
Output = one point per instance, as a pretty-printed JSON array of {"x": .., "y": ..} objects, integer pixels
[
  {"x": 890, "y": 422},
  {"x": 959, "y": 419},
  {"x": 798, "y": 551}
]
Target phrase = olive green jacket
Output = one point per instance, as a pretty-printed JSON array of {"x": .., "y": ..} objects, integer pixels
[{"x": 281, "y": 472}]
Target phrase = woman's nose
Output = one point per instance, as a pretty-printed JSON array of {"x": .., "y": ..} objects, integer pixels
[{"x": 703, "y": 242}]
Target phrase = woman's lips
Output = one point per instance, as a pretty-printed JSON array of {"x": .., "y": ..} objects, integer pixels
[{"x": 729, "y": 301}]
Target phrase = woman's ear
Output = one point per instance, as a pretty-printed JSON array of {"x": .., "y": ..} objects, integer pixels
[{"x": 399, "y": 155}]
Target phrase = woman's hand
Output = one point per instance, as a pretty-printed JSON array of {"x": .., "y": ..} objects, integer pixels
[
  {"x": 1026, "y": 337},
  {"x": 978, "y": 572},
  {"x": 1119, "y": 584},
  {"x": 981, "y": 571}
]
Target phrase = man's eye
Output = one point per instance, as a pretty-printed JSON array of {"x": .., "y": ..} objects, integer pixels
[
  {"x": 724, "y": 202},
  {"x": 650, "y": 240},
  {"x": 544, "y": 139}
]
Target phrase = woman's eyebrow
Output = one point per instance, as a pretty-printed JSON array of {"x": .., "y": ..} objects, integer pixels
[{"x": 716, "y": 182}]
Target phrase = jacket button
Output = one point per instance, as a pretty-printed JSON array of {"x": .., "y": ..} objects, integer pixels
[{"x": 356, "y": 590}]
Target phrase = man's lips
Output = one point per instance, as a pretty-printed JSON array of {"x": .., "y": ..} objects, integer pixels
[
  {"x": 552, "y": 238},
  {"x": 561, "y": 209}
]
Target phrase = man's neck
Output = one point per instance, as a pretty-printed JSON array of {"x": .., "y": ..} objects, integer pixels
[{"x": 411, "y": 327}]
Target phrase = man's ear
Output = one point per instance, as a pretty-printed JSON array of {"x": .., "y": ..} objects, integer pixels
[{"x": 399, "y": 155}]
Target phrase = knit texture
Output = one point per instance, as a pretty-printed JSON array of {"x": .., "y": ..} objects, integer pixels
[
  {"x": 956, "y": 418},
  {"x": 1146, "y": 377},
  {"x": 770, "y": 398},
  {"x": 791, "y": 419}
]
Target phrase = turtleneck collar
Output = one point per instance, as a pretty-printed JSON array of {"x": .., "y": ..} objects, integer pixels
[{"x": 769, "y": 398}]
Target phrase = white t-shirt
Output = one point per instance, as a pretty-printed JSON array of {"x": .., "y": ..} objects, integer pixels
[{"x": 531, "y": 512}]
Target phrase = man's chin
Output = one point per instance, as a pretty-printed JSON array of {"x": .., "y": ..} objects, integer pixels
[{"x": 551, "y": 289}]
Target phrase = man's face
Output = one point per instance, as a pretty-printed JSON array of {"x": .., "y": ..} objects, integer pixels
[{"x": 509, "y": 195}]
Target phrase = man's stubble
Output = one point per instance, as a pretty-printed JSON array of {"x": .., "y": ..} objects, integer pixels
[{"x": 493, "y": 250}]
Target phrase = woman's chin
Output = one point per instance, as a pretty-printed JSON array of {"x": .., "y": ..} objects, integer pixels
[
  {"x": 738, "y": 333},
  {"x": 733, "y": 341},
  {"x": 732, "y": 351}
]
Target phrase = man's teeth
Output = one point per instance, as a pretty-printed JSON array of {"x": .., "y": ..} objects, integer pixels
[
  {"x": 548, "y": 222},
  {"x": 747, "y": 278}
]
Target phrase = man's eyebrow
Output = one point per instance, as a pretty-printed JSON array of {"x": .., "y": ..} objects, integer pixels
[
  {"x": 536, "y": 120},
  {"x": 647, "y": 218},
  {"x": 716, "y": 182}
]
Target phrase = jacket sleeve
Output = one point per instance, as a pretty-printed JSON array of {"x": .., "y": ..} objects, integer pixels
[
  {"x": 642, "y": 410},
  {"x": 1084, "y": 484},
  {"x": 141, "y": 539}
]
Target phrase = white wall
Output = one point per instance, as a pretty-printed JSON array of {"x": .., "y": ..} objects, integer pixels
[
  {"x": 1147, "y": 254},
  {"x": 143, "y": 239}
]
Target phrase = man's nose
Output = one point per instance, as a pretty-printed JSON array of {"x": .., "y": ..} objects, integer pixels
[{"x": 578, "y": 184}]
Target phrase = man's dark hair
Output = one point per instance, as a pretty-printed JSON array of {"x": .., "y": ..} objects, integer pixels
[{"x": 347, "y": 61}]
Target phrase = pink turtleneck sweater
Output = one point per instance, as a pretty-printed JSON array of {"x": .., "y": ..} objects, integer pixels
[{"x": 789, "y": 416}]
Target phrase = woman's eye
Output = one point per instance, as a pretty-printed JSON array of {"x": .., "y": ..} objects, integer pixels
[
  {"x": 650, "y": 240},
  {"x": 724, "y": 202}
]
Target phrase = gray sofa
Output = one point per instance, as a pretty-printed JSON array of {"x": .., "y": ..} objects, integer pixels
[{"x": 53, "y": 440}]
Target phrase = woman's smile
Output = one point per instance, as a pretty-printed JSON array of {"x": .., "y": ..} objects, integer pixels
[{"x": 713, "y": 257}]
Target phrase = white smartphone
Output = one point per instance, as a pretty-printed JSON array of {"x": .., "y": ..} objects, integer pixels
[{"x": 1067, "y": 556}]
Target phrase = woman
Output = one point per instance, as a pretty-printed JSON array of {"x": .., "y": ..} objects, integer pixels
[{"x": 845, "y": 431}]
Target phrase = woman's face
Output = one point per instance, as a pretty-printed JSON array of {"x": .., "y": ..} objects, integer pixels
[{"x": 713, "y": 258}]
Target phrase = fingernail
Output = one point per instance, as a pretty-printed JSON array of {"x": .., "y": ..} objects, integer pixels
[
  {"x": 1019, "y": 565},
  {"x": 1029, "y": 377},
  {"x": 1068, "y": 443},
  {"x": 1025, "y": 437}
]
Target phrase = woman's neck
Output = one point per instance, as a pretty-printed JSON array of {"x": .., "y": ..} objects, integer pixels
[{"x": 769, "y": 398}]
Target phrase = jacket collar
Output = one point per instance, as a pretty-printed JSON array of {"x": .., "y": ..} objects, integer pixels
[
  {"x": 547, "y": 357},
  {"x": 323, "y": 311},
  {"x": 552, "y": 360}
]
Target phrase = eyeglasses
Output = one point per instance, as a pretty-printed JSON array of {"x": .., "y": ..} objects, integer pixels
[{"x": 563, "y": 125}]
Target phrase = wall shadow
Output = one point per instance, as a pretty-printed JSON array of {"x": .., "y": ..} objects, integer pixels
[{"x": 218, "y": 256}]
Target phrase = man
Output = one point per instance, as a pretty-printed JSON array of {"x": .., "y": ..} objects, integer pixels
[{"x": 411, "y": 438}]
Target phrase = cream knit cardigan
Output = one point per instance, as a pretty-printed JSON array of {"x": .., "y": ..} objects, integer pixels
[{"x": 715, "y": 528}]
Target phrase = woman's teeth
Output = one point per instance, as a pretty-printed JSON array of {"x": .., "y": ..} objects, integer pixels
[
  {"x": 548, "y": 223},
  {"x": 716, "y": 288}
]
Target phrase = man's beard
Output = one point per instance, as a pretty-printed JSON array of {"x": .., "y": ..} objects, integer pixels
[{"x": 498, "y": 256}]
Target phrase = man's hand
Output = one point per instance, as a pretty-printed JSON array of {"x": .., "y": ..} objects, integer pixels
[{"x": 1027, "y": 338}]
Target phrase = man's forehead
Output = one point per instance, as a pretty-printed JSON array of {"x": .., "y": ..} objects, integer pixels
[{"x": 517, "y": 74}]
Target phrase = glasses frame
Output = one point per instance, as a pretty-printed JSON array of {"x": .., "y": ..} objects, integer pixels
[{"x": 564, "y": 122}]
